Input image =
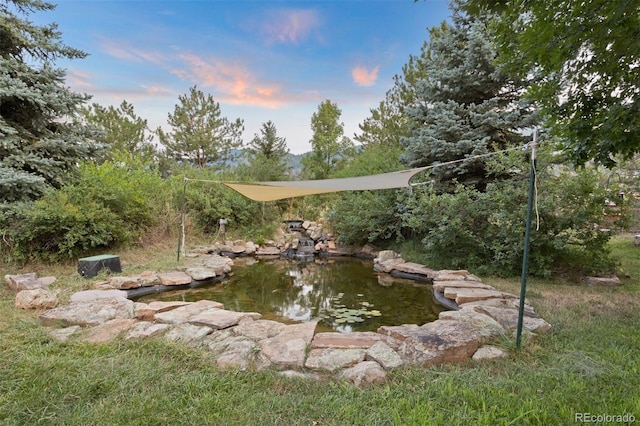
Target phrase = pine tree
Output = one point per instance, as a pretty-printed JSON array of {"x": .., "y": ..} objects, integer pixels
[
  {"x": 122, "y": 129},
  {"x": 464, "y": 105},
  {"x": 200, "y": 133},
  {"x": 268, "y": 154},
  {"x": 39, "y": 141}
]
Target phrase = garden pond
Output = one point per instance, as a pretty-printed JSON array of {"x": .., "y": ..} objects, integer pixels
[{"x": 343, "y": 294}]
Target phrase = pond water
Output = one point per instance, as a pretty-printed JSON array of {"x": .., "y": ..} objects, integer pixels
[{"x": 344, "y": 294}]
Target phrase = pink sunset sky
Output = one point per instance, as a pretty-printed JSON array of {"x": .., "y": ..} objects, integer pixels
[{"x": 260, "y": 60}]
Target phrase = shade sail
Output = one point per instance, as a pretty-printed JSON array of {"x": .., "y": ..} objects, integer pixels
[{"x": 271, "y": 191}]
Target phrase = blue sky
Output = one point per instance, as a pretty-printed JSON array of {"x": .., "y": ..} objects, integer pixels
[{"x": 260, "y": 60}]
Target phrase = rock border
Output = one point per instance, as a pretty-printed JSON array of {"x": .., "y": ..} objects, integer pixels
[{"x": 243, "y": 340}]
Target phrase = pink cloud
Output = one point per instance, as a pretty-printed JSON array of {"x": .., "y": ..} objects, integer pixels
[
  {"x": 364, "y": 77},
  {"x": 232, "y": 82},
  {"x": 122, "y": 50},
  {"x": 79, "y": 80},
  {"x": 290, "y": 26}
]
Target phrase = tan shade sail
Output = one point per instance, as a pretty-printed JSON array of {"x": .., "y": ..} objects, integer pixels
[{"x": 271, "y": 191}]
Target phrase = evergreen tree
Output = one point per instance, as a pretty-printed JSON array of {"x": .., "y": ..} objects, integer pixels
[
  {"x": 39, "y": 141},
  {"x": 329, "y": 145},
  {"x": 268, "y": 154},
  {"x": 200, "y": 134},
  {"x": 464, "y": 106},
  {"x": 122, "y": 129}
]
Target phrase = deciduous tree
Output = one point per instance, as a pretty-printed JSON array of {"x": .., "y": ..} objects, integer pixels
[
  {"x": 585, "y": 57},
  {"x": 329, "y": 145}
]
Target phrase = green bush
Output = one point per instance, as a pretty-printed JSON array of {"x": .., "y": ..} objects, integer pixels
[
  {"x": 366, "y": 216},
  {"x": 484, "y": 231},
  {"x": 206, "y": 201},
  {"x": 54, "y": 228},
  {"x": 108, "y": 205}
]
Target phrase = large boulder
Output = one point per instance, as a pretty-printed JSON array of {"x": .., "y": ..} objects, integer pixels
[{"x": 89, "y": 313}]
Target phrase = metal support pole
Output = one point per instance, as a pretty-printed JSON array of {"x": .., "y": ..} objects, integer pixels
[
  {"x": 182, "y": 218},
  {"x": 527, "y": 236}
]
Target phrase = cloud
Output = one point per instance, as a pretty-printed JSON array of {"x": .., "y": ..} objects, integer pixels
[
  {"x": 290, "y": 26},
  {"x": 233, "y": 83},
  {"x": 364, "y": 77},
  {"x": 122, "y": 50},
  {"x": 79, "y": 80}
]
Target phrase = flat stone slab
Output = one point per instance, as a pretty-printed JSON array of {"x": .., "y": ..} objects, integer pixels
[
  {"x": 452, "y": 275},
  {"x": 439, "y": 342},
  {"x": 88, "y": 313},
  {"x": 109, "y": 330},
  {"x": 258, "y": 330},
  {"x": 508, "y": 319},
  {"x": 145, "y": 329},
  {"x": 147, "y": 312},
  {"x": 268, "y": 251},
  {"x": 28, "y": 281},
  {"x": 38, "y": 298},
  {"x": 93, "y": 295},
  {"x": 466, "y": 295},
  {"x": 174, "y": 278},
  {"x": 187, "y": 333},
  {"x": 399, "y": 332},
  {"x": 603, "y": 281},
  {"x": 200, "y": 273},
  {"x": 330, "y": 359},
  {"x": 384, "y": 355},
  {"x": 218, "y": 319},
  {"x": 442, "y": 285},
  {"x": 415, "y": 268},
  {"x": 63, "y": 334},
  {"x": 125, "y": 282},
  {"x": 477, "y": 323},
  {"x": 182, "y": 314},
  {"x": 489, "y": 352},
  {"x": 365, "y": 373},
  {"x": 353, "y": 340},
  {"x": 288, "y": 349}
]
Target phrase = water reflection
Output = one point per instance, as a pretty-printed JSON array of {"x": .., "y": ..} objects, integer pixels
[{"x": 343, "y": 294}]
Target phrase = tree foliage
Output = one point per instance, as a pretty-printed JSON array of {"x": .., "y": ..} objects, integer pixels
[
  {"x": 39, "y": 143},
  {"x": 464, "y": 105},
  {"x": 483, "y": 231},
  {"x": 107, "y": 205},
  {"x": 200, "y": 134},
  {"x": 329, "y": 145},
  {"x": 267, "y": 155},
  {"x": 584, "y": 57},
  {"x": 121, "y": 129}
]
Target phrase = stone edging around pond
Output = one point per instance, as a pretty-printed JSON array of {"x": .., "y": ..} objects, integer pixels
[{"x": 242, "y": 340}]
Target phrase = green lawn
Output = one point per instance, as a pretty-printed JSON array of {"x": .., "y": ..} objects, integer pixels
[{"x": 589, "y": 363}]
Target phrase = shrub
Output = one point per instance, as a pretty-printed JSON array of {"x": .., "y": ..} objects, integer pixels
[
  {"x": 484, "y": 231},
  {"x": 109, "y": 204},
  {"x": 207, "y": 200}
]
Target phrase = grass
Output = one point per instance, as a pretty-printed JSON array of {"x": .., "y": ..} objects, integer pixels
[{"x": 588, "y": 363}]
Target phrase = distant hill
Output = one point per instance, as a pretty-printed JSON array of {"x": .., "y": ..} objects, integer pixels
[{"x": 295, "y": 162}]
